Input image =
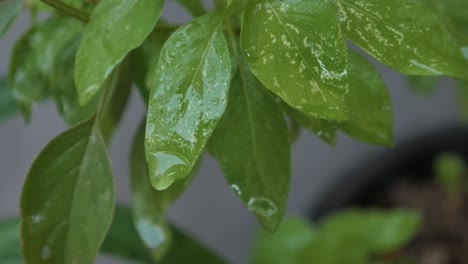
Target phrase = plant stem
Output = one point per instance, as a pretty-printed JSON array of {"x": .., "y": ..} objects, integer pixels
[{"x": 68, "y": 9}]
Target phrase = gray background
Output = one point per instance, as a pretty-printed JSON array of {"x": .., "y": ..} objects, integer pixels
[{"x": 209, "y": 209}]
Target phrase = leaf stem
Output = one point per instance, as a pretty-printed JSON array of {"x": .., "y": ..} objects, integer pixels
[{"x": 68, "y": 9}]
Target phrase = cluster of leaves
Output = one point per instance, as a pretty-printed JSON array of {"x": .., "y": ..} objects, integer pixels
[
  {"x": 352, "y": 236},
  {"x": 241, "y": 97}
]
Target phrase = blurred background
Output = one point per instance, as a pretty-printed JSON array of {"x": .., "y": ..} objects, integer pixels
[{"x": 209, "y": 209}]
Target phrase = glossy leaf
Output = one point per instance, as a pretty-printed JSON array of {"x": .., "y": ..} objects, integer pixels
[
  {"x": 10, "y": 246},
  {"x": 189, "y": 90},
  {"x": 122, "y": 240},
  {"x": 116, "y": 27},
  {"x": 195, "y": 7},
  {"x": 149, "y": 205},
  {"x": 369, "y": 103},
  {"x": 67, "y": 199},
  {"x": 34, "y": 55},
  {"x": 7, "y": 101},
  {"x": 146, "y": 57},
  {"x": 375, "y": 231},
  {"x": 257, "y": 169},
  {"x": 306, "y": 68},
  {"x": 403, "y": 34},
  {"x": 285, "y": 245},
  {"x": 9, "y": 10}
]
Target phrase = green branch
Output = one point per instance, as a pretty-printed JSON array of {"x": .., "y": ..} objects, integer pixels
[{"x": 68, "y": 9}]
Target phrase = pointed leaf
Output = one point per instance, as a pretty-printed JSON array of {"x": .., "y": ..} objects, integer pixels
[
  {"x": 195, "y": 7},
  {"x": 67, "y": 199},
  {"x": 116, "y": 27},
  {"x": 189, "y": 90},
  {"x": 369, "y": 103},
  {"x": 403, "y": 34},
  {"x": 34, "y": 55},
  {"x": 306, "y": 68},
  {"x": 251, "y": 144},
  {"x": 9, "y": 10},
  {"x": 149, "y": 205},
  {"x": 7, "y": 101}
]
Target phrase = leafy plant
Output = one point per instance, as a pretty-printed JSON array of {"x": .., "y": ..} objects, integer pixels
[
  {"x": 227, "y": 81},
  {"x": 352, "y": 236}
]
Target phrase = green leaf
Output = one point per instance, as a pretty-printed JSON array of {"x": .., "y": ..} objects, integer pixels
[
  {"x": 9, "y": 10},
  {"x": 284, "y": 246},
  {"x": 450, "y": 170},
  {"x": 7, "y": 101},
  {"x": 149, "y": 206},
  {"x": 116, "y": 27},
  {"x": 34, "y": 55},
  {"x": 146, "y": 57},
  {"x": 67, "y": 199},
  {"x": 403, "y": 34},
  {"x": 195, "y": 7},
  {"x": 306, "y": 68},
  {"x": 375, "y": 231},
  {"x": 369, "y": 103},
  {"x": 122, "y": 240},
  {"x": 189, "y": 90},
  {"x": 324, "y": 129},
  {"x": 10, "y": 246},
  {"x": 251, "y": 144}
]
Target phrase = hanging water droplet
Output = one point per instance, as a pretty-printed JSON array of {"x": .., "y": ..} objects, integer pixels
[
  {"x": 263, "y": 206},
  {"x": 165, "y": 165}
]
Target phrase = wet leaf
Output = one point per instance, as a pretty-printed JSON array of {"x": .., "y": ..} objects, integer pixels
[
  {"x": 149, "y": 205},
  {"x": 10, "y": 246},
  {"x": 67, "y": 199},
  {"x": 9, "y": 10},
  {"x": 189, "y": 90},
  {"x": 306, "y": 68},
  {"x": 122, "y": 240},
  {"x": 403, "y": 34},
  {"x": 146, "y": 57},
  {"x": 251, "y": 144},
  {"x": 195, "y": 7},
  {"x": 34, "y": 55},
  {"x": 369, "y": 103},
  {"x": 285, "y": 245},
  {"x": 7, "y": 102},
  {"x": 116, "y": 27}
]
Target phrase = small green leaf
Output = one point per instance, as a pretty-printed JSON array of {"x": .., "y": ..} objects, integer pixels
[
  {"x": 149, "y": 206},
  {"x": 122, "y": 240},
  {"x": 9, "y": 10},
  {"x": 285, "y": 245},
  {"x": 189, "y": 90},
  {"x": 10, "y": 246},
  {"x": 116, "y": 27},
  {"x": 369, "y": 103},
  {"x": 251, "y": 144},
  {"x": 195, "y": 7},
  {"x": 34, "y": 55},
  {"x": 374, "y": 231},
  {"x": 67, "y": 199},
  {"x": 146, "y": 57},
  {"x": 403, "y": 34},
  {"x": 306, "y": 68},
  {"x": 7, "y": 101},
  {"x": 450, "y": 170}
]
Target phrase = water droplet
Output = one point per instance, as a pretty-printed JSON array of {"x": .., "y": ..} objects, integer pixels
[
  {"x": 151, "y": 233},
  {"x": 164, "y": 166},
  {"x": 262, "y": 206},
  {"x": 236, "y": 189}
]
